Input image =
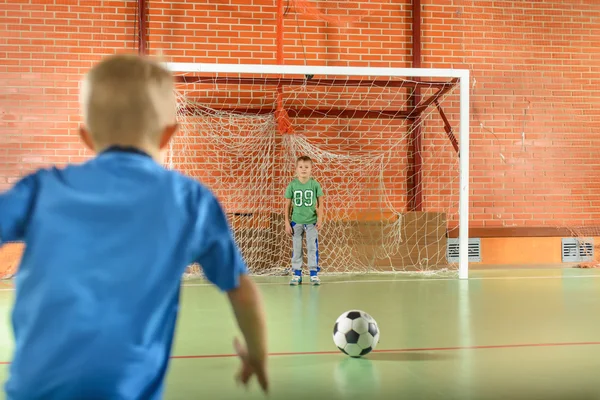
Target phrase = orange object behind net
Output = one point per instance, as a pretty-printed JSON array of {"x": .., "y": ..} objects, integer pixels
[{"x": 333, "y": 12}]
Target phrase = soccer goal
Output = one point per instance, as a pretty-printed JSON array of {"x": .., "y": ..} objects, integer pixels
[{"x": 390, "y": 148}]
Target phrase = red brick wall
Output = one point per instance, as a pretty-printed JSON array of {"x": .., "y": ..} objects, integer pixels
[
  {"x": 44, "y": 48},
  {"x": 535, "y": 68}
]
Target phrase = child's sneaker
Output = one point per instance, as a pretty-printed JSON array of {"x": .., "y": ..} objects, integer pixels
[
  {"x": 314, "y": 280},
  {"x": 296, "y": 280}
]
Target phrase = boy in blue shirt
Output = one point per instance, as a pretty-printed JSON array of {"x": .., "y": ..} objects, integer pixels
[{"x": 97, "y": 292}]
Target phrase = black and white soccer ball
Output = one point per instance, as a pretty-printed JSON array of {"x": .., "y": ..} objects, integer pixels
[{"x": 355, "y": 333}]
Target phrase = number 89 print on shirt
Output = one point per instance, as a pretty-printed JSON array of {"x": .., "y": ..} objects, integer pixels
[{"x": 304, "y": 200}]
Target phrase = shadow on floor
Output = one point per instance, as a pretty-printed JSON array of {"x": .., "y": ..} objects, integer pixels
[{"x": 410, "y": 356}]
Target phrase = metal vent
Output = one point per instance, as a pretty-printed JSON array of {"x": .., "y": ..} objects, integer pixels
[
  {"x": 452, "y": 253},
  {"x": 577, "y": 250}
]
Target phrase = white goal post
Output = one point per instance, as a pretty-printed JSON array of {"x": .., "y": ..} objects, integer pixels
[{"x": 460, "y": 76}]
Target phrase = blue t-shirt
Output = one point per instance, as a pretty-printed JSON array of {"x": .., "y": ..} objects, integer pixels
[{"x": 97, "y": 291}]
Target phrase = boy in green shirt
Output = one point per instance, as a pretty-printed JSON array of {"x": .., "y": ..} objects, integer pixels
[{"x": 305, "y": 197}]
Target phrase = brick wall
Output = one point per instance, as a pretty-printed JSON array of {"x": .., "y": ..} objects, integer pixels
[
  {"x": 535, "y": 68},
  {"x": 45, "y": 46}
]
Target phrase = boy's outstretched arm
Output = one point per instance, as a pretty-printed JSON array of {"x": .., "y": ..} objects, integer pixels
[
  {"x": 224, "y": 266},
  {"x": 248, "y": 308}
]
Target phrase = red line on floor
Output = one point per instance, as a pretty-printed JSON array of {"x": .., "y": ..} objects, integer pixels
[
  {"x": 499, "y": 346},
  {"x": 320, "y": 353}
]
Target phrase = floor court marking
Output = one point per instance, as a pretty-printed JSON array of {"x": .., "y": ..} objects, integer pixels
[
  {"x": 9, "y": 288},
  {"x": 409, "y": 350},
  {"x": 419, "y": 280}
]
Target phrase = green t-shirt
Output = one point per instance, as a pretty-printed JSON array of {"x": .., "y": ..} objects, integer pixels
[{"x": 304, "y": 200}]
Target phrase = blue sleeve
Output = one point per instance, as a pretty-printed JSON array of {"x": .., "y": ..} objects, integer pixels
[
  {"x": 219, "y": 255},
  {"x": 15, "y": 209}
]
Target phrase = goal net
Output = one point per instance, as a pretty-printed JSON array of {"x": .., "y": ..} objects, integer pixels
[
  {"x": 385, "y": 148},
  {"x": 586, "y": 247}
]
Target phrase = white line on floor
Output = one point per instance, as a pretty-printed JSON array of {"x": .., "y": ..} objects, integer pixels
[{"x": 325, "y": 282}]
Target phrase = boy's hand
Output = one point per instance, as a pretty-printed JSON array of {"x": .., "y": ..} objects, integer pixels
[
  {"x": 250, "y": 367},
  {"x": 319, "y": 225},
  {"x": 288, "y": 229}
]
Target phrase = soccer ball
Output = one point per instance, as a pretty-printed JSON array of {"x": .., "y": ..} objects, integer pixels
[{"x": 355, "y": 333}]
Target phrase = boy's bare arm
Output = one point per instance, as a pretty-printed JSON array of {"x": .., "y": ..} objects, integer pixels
[
  {"x": 248, "y": 308},
  {"x": 288, "y": 205},
  {"x": 320, "y": 210}
]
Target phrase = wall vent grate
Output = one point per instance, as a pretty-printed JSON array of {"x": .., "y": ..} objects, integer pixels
[
  {"x": 452, "y": 253},
  {"x": 577, "y": 250}
]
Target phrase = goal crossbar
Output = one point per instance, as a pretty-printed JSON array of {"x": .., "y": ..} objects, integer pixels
[
  {"x": 314, "y": 82},
  {"x": 408, "y": 113},
  {"x": 317, "y": 70}
]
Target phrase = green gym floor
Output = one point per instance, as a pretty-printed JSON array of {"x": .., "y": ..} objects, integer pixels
[{"x": 503, "y": 334}]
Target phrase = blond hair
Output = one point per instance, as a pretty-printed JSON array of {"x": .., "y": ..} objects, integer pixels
[{"x": 127, "y": 99}]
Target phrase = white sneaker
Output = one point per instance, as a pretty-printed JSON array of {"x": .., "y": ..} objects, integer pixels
[
  {"x": 315, "y": 281},
  {"x": 296, "y": 280}
]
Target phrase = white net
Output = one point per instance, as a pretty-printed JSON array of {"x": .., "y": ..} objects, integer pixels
[{"x": 362, "y": 147}]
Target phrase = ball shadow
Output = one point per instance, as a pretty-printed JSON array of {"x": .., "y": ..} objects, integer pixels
[{"x": 410, "y": 356}]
